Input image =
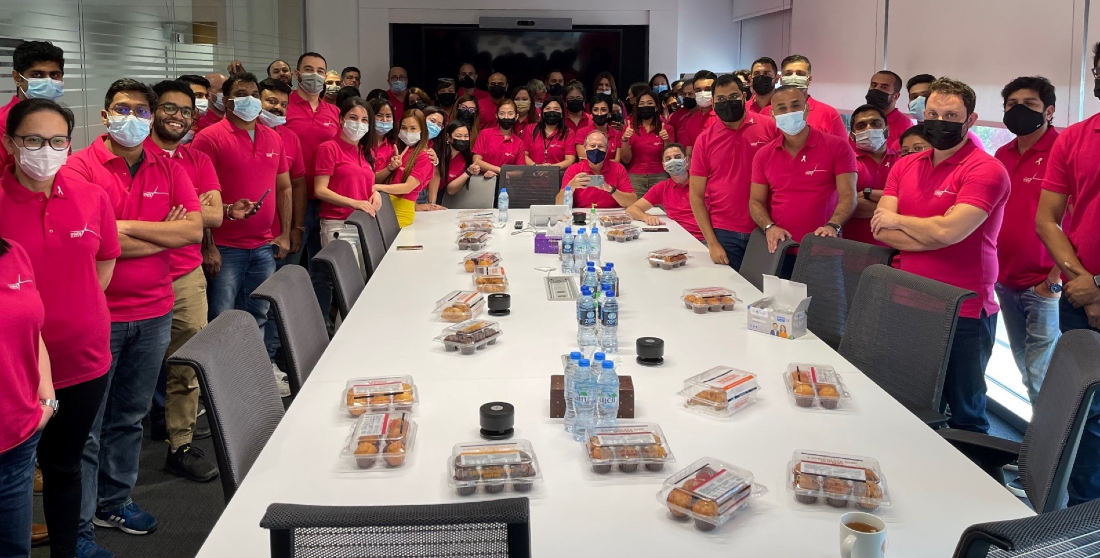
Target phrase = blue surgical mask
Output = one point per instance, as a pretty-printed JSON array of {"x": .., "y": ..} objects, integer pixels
[
  {"x": 219, "y": 102},
  {"x": 916, "y": 108},
  {"x": 791, "y": 123},
  {"x": 660, "y": 89},
  {"x": 399, "y": 85},
  {"x": 128, "y": 131},
  {"x": 676, "y": 167},
  {"x": 44, "y": 88},
  {"x": 247, "y": 108},
  {"x": 271, "y": 120},
  {"x": 433, "y": 130},
  {"x": 595, "y": 156},
  {"x": 382, "y": 128}
]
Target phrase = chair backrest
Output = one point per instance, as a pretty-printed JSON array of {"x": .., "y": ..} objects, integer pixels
[
  {"x": 387, "y": 222},
  {"x": 370, "y": 238},
  {"x": 899, "y": 333},
  {"x": 478, "y": 193},
  {"x": 1052, "y": 439},
  {"x": 491, "y": 528},
  {"x": 347, "y": 281},
  {"x": 1067, "y": 533},
  {"x": 299, "y": 320},
  {"x": 831, "y": 268},
  {"x": 759, "y": 262},
  {"x": 242, "y": 400},
  {"x": 530, "y": 185}
]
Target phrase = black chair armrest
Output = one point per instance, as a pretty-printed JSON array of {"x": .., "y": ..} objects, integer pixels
[
  {"x": 930, "y": 417},
  {"x": 988, "y": 452}
]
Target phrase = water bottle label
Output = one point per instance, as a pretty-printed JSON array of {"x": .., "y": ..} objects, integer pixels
[
  {"x": 583, "y": 397},
  {"x": 566, "y": 248},
  {"x": 609, "y": 399},
  {"x": 588, "y": 318},
  {"x": 610, "y": 319}
]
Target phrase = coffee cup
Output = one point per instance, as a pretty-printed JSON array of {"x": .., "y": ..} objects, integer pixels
[{"x": 862, "y": 535}]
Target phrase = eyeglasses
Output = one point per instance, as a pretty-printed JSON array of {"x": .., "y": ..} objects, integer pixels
[
  {"x": 140, "y": 112},
  {"x": 171, "y": 108},
  {"x": 36, "y": 142}
]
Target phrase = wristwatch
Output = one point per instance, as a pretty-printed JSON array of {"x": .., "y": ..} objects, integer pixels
[
  {"x": 1096, "y": 281},
  {"x": 768, "y": 227},
  {"x": 614, "y": 189},
  {"x": 867, "y": 194},
  {"x": 51, "y": 403},
  {"x": 1055, "y": 288},
  {"x": 833, "y": 225}
]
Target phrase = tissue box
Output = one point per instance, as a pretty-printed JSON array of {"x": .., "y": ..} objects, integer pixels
[
  {"x": 545, "y": 244},
  {"x": 782, "y": 311}
]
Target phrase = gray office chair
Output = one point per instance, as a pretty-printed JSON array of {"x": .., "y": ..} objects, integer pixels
[
  {"x": 299, "y": 320},
  {"x": 831, "y": 268},
  {"x": 242, "y": 400},
  {"x": 370, "y": 238},
  {"x": 1069, "y": 533},
  {"x": 1051, "y": 440},
  {"x": 338, "y": 260},
  {"x": 899, "y": 333},
  {"x": 478, "y": 193},
  {"x": 495, "y": 528},
  {"x": 759, "y": 262},
  {"x": 387, "y": 222}
]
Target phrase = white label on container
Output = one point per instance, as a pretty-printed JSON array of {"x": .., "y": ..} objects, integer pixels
[
  {"x": 380, "y": 387},
  {"x": 626, "y": 439},
  {"x": 819, "y": 375},
  {"x": 482, "y": 459},
  {"x": 731, "y": 381},
  {"x": 721, "y": 485},
  {"x": 372, "y": 425},
  {"x": 832, "y": 466}
]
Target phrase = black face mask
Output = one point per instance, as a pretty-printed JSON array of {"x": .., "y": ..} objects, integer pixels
[
  {"x": 445, "y": 99},
  {"x": 497, "y": 91},
  {"x": 878, "y": 98},
  {"x": 574, "y": 105},
  {"x": 554, "y": 90},
  {"x": 466, "y": 116},
  {"x": 506, "y": 123},
  {"x": 466, "y": 82},
  {"x": 689, "y": 103},
  {"x": 673, "y": 108},
  {"x": 420, "y": 105},
  {"x": 460, "y": 145},
  {"x": 1021, "y": 120},
  {"x": 730, "y": 111},
  {"x": 552, "y": 118},
  {"x": 1096, "y": 89},
  {"x": 646, "y": 113},
  {"x": 600, "y": 119},
  {"x": 763, "y": 85},
  {"x": 617, "y": 117},
  {"x": 943, "y": 135}
]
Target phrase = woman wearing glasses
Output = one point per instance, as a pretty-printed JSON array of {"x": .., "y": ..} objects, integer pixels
[{"x": 67, "y": 228}]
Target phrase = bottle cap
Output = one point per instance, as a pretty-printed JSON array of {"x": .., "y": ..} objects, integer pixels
[
  {"x": 585, "y": 362},
  {"x": 586, "y": 290},
  {"x": 595, "y": 230},
  {"x": 568, "y": 229},
  {"x": 575, "y": 355},
  {"x": 580, "y": 230},
  {"x": 599, "y": 356},
  {"x": 609, "y": 364},
  {"x": 610, "y": 265}
]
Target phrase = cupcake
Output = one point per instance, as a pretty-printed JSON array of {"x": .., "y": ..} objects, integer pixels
[
  {"x": 679, "y": 500},
  {"x": 470, "y": 266},
  {"x": 804, "y": 395},
  {"x": 705, "y": 508},
  {"x": 727, "y": 303},
  {"x": 869, "y": 494},
  {"x": 631, "y": 456},
  {"x": 654, "y": 452},
  {"x": 495, "y": 475},
  {"x": 828, "y": 396},
  {"x": 806, "y": 488},
  {"x": 366, "y": 454},
  {"x": 837, "y": 492},
  {"x": 395, "y": 454}
]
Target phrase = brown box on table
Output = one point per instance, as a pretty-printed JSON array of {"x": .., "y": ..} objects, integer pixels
[{"x": 557, "y": 396}]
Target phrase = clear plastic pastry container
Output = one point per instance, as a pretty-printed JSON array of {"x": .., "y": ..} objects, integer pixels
[
  {"x": 720, "y": 392},
  {"x": 709, "y": 491},
  {"x": 493, "y": 467},
  {"x": 839, "y": 480},
  {"x": 480, "y": 214},
  {"x": 485, "y": 225},
  {"x": 481, "y": 260},
  {"x": 816, "y": 385},
  {"x": 380, "y": 394},
  {"x": 472, "y": 240},
  {"x": 709, "y": 299},
  {"x": 612, "y": 219},
  {"x": 491, "y": 280},
  {"x": 623, "y": 233},
  {"x": 384, "y": 439},
  {"x": 626, "y": 448},
  {"x": 470, "y": 336},
  {"x": 459, "y": 306},
  {"x": 667, "y": 258}
]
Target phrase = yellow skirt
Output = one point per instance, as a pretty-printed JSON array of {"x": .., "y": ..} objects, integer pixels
[{"x": 405, "y": 210}]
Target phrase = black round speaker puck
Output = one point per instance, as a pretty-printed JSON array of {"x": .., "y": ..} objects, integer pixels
[
  {"x": 497, "y": 420},
  {"x": 651, "y": 351}
]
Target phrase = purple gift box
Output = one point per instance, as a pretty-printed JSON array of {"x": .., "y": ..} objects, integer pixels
[{"x": 546, "y": 244}]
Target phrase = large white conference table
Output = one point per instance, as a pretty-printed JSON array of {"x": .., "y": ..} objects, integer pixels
[{"x": 936, "y": 492}]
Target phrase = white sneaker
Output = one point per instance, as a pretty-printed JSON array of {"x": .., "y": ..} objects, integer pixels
[{"x": 281, "y": 380}]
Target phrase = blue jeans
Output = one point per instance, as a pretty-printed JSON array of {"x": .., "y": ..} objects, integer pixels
[
  {"x": 110, "y": 465},
  {"x": 734, "y": 243},
  {"x": 242, "y": 271},
  {"x": 322, "y": 286},
  {"x": 1032, "y": 323},
  {"x": 1084, "y": 480},
  {"x": 17, "y": 498},
  {"x": 964, "y": 384}
]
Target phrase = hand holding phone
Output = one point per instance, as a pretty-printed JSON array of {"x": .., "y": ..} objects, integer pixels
[{"x": 259, "y": 203}]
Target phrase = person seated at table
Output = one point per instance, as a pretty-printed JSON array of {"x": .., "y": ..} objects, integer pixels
[
  {"x": 344, "y": 172},
  {"x": 613, "y": 190},
  {"x": 413, "y": 168},
  {"x": 549, "y": 142},
  {"x": 670, "y": 194},
  {"x": 500, "y": 145},
  {"x": 458, "y": 158},
  {"x": 601, "y": 120}
]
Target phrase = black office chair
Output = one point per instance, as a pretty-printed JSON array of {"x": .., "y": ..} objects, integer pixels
[
  {"x": 299, "y": 320},
  {"x": 387, "y": 222},
  {"x": 899, "y": 333},
  {"x": 1058, "y": 420},
  {"x": 759, "y": 262},
  {"x": 339, "y": 261},
  {"x": 495, "y": 528},
  {"x": 370, "y": 238},
  {"x": 1069, "y": 533},
  {"x": 242, "y": 400},
  {"x": 831, "y": 269}
]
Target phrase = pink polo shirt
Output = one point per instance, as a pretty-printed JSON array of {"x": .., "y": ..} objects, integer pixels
[
  {"x": 6, "y": 157},
  {"x": 1074, "y": 171},
  {"x": 823, "y": 117},
  {"x": 293, "y": 147},
  {"x": 398, "y": 105},
  {"x": 673, "y": 198},
  {"x": 351, "y": 175},
  {"x": 646, "y": 149},
  {"x": 870, "y": 175},
  {"x": 971, "y": 177},
  {"x": 614, "y": 139},
  {"x": 498, "y": 150},
  {"x": 312, "y": 128},
  {"x": 422, "y": 170},
  {"x": 383, "y": 152},
  {"x": 694, "y": 124},
  {"x": 201, "y": 172},
  {"x": 676, "y": 118},
  {"x": 487, "y": 111},
  {"x": 205, "y": 121},
  {"x": 64, "y": 235},
  {"x": 752, "y": 108},
  {"x": 1024, "y": 259},
  {"x": 246, "y": 169},
  {"x": 141, "y": 288},
  {"x": 802, "y": 188},
  {"x": 553, "y": 149},
  {"x": 613, "y": 174},
  {"x": 455, "y": 168},
  {"x": 724, "y": 157},
  {"x": 584, "y": 122},
  {"x": 20, "y": 326},
  {"x": 897, "y": 122}
]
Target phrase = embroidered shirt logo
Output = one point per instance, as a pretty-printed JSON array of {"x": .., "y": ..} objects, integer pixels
[
  {"x": 947, "y": 189},
  {"x": 1032, "y": 177},
  {"x": 811, "y": 172},
  {"x": 270, "y": 154},
  {"x": 19, "y": 282},
  {"x": 80, "y": 233},
  {"x": 156, "y": 192}
]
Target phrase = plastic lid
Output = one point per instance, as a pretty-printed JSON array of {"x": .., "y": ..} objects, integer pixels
[
  {"x": 568, "y": 188},
  {"x": 575, "y": 355},
  {"x": 595, "y": 230},
  {"x": 580, "y": 230},
  {"x": 599, "y": 356},
  {"x": 609, "y": 265},
  {"x": 586, "y": 290},
  {"x": 585, "y": 362},
  {"x": 609, "y": 364},
  {"x": 502, "y": 190},
  {"x": 591, "y": 266},
  {"x": 568, "y": 229}
]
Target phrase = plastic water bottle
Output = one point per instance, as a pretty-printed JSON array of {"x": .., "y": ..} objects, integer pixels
[
  {"x": 567, "y": 197},
  {"x": 607, "y": 403},
  {"x": 592, "y": 281},
  {"x": 595, "y": 246},
  {"x": 592, "y": 216},
  {"x": 570, "y": 371},
  {"x": 597, "y": 361},
  {"x": 609, "y": 322},
  {"x": 580, "y": 249},
  {"x": 610, "y": 279},
  {"x": 586, "y": 320},
  {"x": 584, "y": 400},
  {"x": 567, "y": 251},
  {"x": 502, "y": 206}
]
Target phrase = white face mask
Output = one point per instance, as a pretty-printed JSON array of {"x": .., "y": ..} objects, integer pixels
[
  {"x": 801, "y": 82},
  {"x": 42, "y": 164},
  {"x": 202, "y": 105},
  {"x": 270, "y": 119},
  {"x": 916, "y": 108},
  {"x": 704, "y": 98},
  {"x": 356, "y": 130},
  {"x": 187, "y": 137},
  {"x": 410, "y": 138},
  {"x": 603, "y": 91},
  {"x": 870, "y": 140},
  {"x": 791, "y": 123}
]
